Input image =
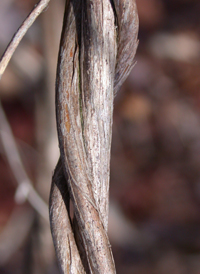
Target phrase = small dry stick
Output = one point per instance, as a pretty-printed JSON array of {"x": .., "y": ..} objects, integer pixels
[
  {"x": 20, "y": 34},
  {"x": 13, "y": 157}
]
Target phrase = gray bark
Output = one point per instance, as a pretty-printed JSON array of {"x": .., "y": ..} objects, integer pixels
[{"x": 97, "y": 48}]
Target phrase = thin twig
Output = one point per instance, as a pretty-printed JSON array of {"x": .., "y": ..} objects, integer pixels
[
  {"x": 37, "y": 10},
  {"x": 16, "y": 165}
]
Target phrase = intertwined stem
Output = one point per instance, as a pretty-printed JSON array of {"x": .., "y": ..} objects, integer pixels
[{"x": 98, "y": 44}]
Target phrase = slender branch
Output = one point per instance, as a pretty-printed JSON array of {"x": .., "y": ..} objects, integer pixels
[
  {"x": 37, "y": 10},
  {"x": 16, "y": 165}
]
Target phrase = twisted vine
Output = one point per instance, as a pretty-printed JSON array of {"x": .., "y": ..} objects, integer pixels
[{"x": 98, "y": 45}]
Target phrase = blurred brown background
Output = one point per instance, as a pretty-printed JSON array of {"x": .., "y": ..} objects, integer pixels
[{"x": 155, "y": 165}]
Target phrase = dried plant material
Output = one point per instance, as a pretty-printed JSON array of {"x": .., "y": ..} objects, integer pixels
[
  {"x": 96, "y": 55},
  {"x": 20, "y": 34},
  {"x": 66, "y": 249},
  {"x": 25, "y": 189}
]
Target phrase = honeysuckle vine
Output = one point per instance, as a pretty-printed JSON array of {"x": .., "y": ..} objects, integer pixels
[{"x": 97, "y": 49}]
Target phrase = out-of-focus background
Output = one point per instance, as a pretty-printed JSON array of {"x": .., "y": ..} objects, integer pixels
[{"x": 154, "y": 223}]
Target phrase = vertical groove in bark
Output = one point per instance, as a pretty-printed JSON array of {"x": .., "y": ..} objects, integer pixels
[{"x": 98, "y": 44}]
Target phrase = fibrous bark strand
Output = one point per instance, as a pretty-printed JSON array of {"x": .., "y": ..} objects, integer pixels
[{"x": 98, "y": 44}]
